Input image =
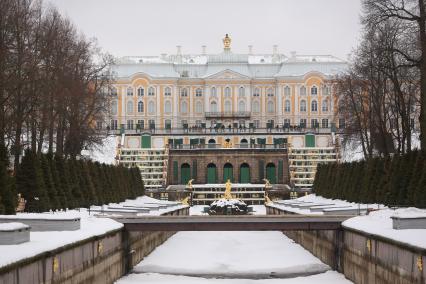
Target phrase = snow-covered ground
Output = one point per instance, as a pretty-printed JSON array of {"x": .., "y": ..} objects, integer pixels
[{"x": 191, "y": 257}]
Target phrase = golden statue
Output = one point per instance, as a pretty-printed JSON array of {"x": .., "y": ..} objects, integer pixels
[
  {"x": 267, "y": 184},
  {"x": 189, "y": 184},
  {"x": 227, "y": 42},
  {"x": 228, "y": 187},
  {"x": 227, "y": 144}
]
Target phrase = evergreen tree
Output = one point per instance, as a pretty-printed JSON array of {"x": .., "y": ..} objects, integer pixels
[
  {"x": 49, "y": 182},
  {"x": 30, "y": 183},
  {"x": 64, "y": 182}
]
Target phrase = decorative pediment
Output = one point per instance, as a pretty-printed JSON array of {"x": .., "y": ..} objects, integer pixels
[{"x": 227, "y": 75}]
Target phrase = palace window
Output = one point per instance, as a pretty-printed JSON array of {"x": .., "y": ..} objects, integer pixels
[
  {"x": 151, "y": 91},
  {"x": 151, "y": 107},
  {"x": 213, "y": 106},
  {"x": 141, "y": 123},
  {"x": 130, "y": 124},
  {"x": 302, "y": 122},
  {"x": 314, "y": 106},
  {"x": 287, "y": 91},
  {"x": 302, "y": 106},
  {"x": 271, "y": 107},
  {"x": 303, "y": 91},
  {"x": 130, "y": 91},
  {"x": 198, "y": 107},
  {"x": 198, "y": 92},
  {"x": 140, "y": 106},
  {"x": 241, "y": 92},
  {"x": 325, "y": 123},
  {"x": 183, "y": 107},
  {"x": 129, "y": 108},
  {"x": 213, "y": 92},
  {"x": 314, "y": 123},
  {"x": 228, "y": 106},
  {"x": 167, "y": 91},
  {"x": 325, "y": 105},
  {"x": 114, "y": 107},
  {"x": 256, "y": 106},
  {"x": 287, "y": 122},
  {"x": 114, "y": 124},
  {"x": 141, "y": 92},
  {"x": 314, "y": 90},
  {"x": 241, "y": 106},
  {"x": 256, "y": 92},
  {"x": 326, "y": 90},
  {"x": 270, "y": 92},
  {"x": 287, "y": 106},
  {"x": 167, "y": 107},
  {"x": 227, "y": 92},
  {"x": 184, "y": 92}
]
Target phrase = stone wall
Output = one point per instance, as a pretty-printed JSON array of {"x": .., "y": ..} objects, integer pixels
[
  {"x": 100, "y": 259},
  {"x": 364, "y": 258}
]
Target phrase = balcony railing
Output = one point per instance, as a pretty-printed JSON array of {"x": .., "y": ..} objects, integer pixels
[
  {"x": 222, "y": 147},
  {"x": 228, "y": 114}
]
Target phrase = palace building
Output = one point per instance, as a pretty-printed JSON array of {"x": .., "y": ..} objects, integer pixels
[{"x": 210, "y": 117}]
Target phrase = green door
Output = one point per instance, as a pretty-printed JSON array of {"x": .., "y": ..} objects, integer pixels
[
  {"x": 245, "y": 173},
  {"x": 228, "y": 173},
  {"x": 146, "y": 141},
  {"x": 211, "y": 173},
  {"x": 309, "y": 140},
  {"x": 185, "y": 173},
  {"x": 271, "y": 173}
]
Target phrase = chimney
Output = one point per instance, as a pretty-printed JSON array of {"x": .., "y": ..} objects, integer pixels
[
  {"x": 250, "y": 47},
  {"x": 203, "y": 50}
]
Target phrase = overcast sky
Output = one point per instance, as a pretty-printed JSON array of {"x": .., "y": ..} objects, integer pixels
[{"x": 152, "y": 27}]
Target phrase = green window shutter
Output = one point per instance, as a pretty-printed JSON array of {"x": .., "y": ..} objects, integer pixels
[
  {"x": 245, "y": 174},
  {"x": 194, "y": 169},
  {"x": 228, "y": 173},
  {"x": 271, "y": 173},
  {"x": 202, "y": 141},
  {"x": 185, "y": 174},
  {"x": 309, "y": 140},
  {"x": 261, "y": 170},
  {"x": 280, "y": 171},
  {"x": 211, "y": 175},
  {"x": 146, "y": 141},
  {"x": 175, "y": 171}
]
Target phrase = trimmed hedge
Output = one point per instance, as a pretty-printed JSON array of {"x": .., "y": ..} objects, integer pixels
[
  {"x": 400, "y": 180},
  {"x": 51, "y": 183}
]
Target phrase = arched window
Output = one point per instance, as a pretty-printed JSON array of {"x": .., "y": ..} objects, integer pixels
[
  {"x": 287, "y": 91},
  {"x": 213, "y": 92},
  {"x": 130, "y": 91},
  {"x": 326, "y": 90},
  {"x": 256, "y": 92},
  {"x": 183, "y": 107},
  {"x": 167, "y": 91},
  {"x": 198, "y": 107},
  {"x": 271, "y": 107},
  {"x": 270, "y": 92},
  {"x": 241, "y": 106},
  {"x": 151, "y": 107},
  {"x": 287, "y": 106},
  {"x": 184, "y": 92},
  {"x": 168, "y": 107},
  {"x": 303, "y": 91},
  {"x": 314, "y": 106},
  {"x": 129, "y": 108},
  {"x": 325, "y": 105},
  {"x": 198, "y": 92},
  {"x": 151, "y": 91},
  {"x": 228, "y": 107},
  {"x": 314, "y": 90},
  {"x": 256, "y": 106},
  {"x": 227, "y": 92},
  {"x": 140, "y": 106},
  {"x": 303, "y": 106},
  {"x": 114, "y": 107},
  {"x": 241, "y": 92},
  {"x": 141, "y": 92},
  {"x": 213, "y": 106}
]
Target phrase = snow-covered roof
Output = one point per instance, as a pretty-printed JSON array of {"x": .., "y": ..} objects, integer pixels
[{"x": 250, "y": 65}]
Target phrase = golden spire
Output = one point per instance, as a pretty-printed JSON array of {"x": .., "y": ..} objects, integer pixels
[{"x": 227, "y": 42}]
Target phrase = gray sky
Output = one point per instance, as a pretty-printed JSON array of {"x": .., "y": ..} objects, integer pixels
[{"x": 152, "y": 27}]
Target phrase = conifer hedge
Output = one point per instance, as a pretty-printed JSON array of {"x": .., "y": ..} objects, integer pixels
[
  {"x": 50, "y": 182},
  {"x": 396, "y": 181}
]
